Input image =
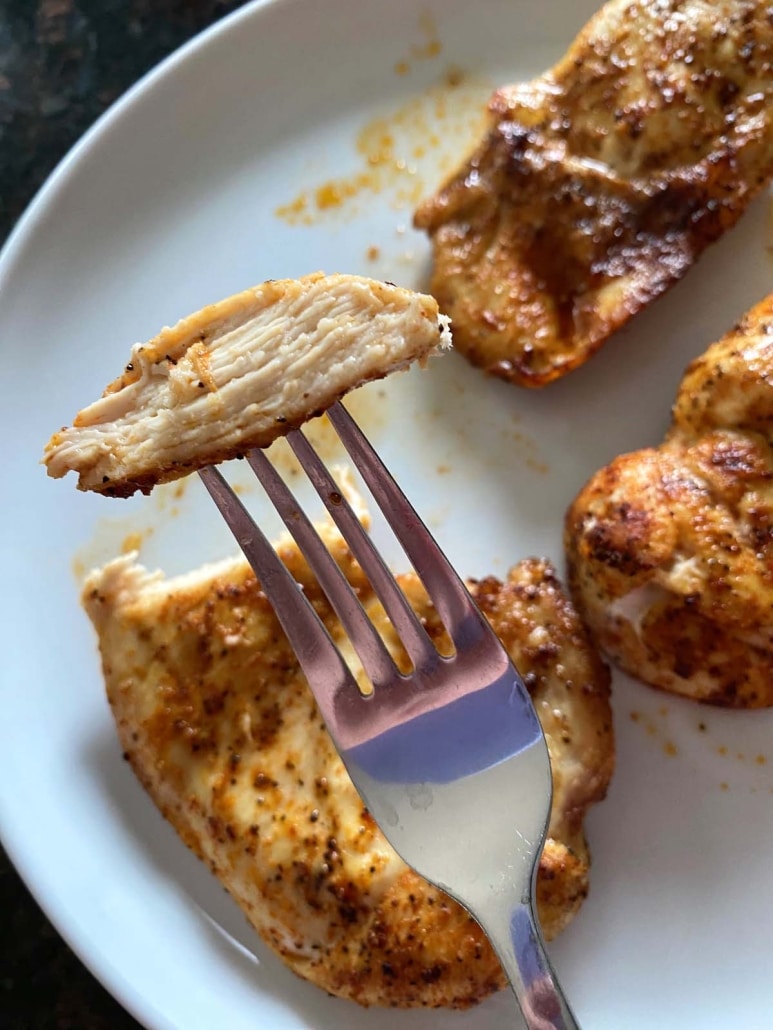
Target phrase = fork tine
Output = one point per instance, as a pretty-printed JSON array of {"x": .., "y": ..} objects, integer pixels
[
  {"x": 376, "y": 660},
  {"x": 443, "y": 584},
  {"x": 314, "y": 648},
  {"x": 413, "y": 635}
]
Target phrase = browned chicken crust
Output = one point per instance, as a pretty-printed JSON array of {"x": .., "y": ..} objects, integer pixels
[
  {"x": 599, "y": 184},
  {"x": 222, "y": 730},
  {"x": 240, "y": 373},
  {"x": 670, "y": 549}
]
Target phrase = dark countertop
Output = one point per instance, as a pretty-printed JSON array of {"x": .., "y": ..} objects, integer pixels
[{"x": 62, "y": 62}]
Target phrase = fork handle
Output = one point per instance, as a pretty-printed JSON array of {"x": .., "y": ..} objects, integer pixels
[{"x": 521, "y": 950}]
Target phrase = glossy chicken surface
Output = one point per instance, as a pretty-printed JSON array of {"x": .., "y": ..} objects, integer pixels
[
  {"x": 670, "y": 549},
  {"x": 220, "y": 727},
  {"x": 599, "y": 184}
]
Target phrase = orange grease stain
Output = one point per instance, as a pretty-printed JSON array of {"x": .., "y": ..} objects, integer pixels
[
  {"x": 335, "y": 193},
  {"x": 400, "y": 153},
  {"x": 131, "y": 542},
  {"x": 427, "y": 49},
  {"x": 295, "y": 211},
  {"x": 527, "y": 451}
]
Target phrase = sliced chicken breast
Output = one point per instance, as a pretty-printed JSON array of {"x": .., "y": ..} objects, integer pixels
[
  {"x": 240, "y": 373},
  {"x": 598, "y": 185},
  {"x": 219, "y": 725}
]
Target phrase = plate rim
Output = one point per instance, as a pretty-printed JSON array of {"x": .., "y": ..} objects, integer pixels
[
  {"x": 53, "y": 907},
  {"x": 59, "y": 175}
]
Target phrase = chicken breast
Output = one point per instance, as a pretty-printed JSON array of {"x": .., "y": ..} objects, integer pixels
[
  {"x": 599, "y": 184},
  {"x": 240, "y": 373},
  {"x": 222, "y": 730},
  {"x": 670, "y": 549}
]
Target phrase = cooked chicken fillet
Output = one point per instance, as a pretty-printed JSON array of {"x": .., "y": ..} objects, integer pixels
[
  {"x": 670, "y": 549},
  {"x": 240, "y": 373},
  {"x": 599, "y": 184},
  {"x": 220, "y": 727}
]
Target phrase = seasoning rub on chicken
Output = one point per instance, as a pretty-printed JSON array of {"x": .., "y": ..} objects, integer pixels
[
  {"x": 220, "y": 727},
  {"x": 240, "y": 373},
  {"x": 670, "y": 549},
  {"x": 599, "y": 184}
]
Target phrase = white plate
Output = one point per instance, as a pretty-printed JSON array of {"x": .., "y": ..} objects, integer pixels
[{"x": 170, "y": 203}]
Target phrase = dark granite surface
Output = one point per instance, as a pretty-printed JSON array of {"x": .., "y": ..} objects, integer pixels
[{"x": 62, "y": 62}]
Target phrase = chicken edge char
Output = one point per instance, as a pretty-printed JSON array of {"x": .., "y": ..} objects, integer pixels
[{"x": 223, "y": 733}]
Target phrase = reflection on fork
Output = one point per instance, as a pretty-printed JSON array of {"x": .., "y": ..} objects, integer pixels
[{"x": 453, "y": 743}]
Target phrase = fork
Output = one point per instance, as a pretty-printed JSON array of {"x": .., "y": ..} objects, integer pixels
[{"x": 450, "y": 758}]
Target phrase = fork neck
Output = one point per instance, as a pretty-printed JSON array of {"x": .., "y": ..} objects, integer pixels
[{"x": 520, "y": 948}]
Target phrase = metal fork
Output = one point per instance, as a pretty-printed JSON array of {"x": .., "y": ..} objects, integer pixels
[{"x": 450, "y": 759}]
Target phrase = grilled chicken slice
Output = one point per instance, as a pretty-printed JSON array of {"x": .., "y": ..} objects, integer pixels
[
  {"x": 670, "y": 549},
  {"x": 220, "y": 727},
  {"x": 599, "y": 184},
  {"x": 240, "y": 373}
]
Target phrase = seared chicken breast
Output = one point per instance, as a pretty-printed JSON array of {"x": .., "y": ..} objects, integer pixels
[
  {"x": 240, "y": 373},
  {"x": 670, "y": 549},
  {"x": 599, "y": 184},
  {"x": 221, "y": 728}
]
